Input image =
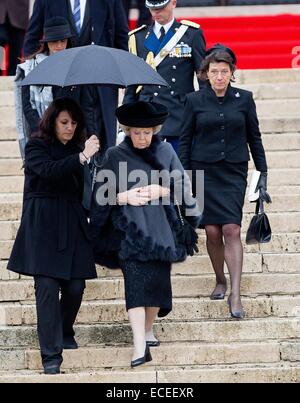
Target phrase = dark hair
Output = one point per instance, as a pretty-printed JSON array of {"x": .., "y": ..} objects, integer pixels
[
  {"x": 44, "y": 48},
  {"x": 218, "y": 56},
  {"x": 48, "y": 122}
]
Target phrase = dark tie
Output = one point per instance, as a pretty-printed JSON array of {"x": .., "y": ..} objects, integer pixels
[{"x": 162, "y": 34}]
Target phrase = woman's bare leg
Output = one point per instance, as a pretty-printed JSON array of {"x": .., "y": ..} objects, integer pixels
[
  {"x": 137, "y": 318},
  {"x": 151, "y": 315}
]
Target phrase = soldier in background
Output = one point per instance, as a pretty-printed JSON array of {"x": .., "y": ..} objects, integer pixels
[
  {"x": 175, "y": 49},
  {"x": 14, "y": 15}
]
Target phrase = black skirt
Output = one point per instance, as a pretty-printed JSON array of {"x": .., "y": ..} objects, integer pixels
[
  {"x": 224, "y": 191},
  {"x": 148, "y": 284}
]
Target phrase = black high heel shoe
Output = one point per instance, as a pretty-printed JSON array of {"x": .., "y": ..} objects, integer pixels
[
  {"x": 140, "y": 361},
  {"x": 236, "y": 314}
]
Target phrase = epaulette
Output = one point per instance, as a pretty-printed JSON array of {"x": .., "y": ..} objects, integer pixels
[
  {"x": 137, "y": 30},
  {"x": 190, "y": 24}
]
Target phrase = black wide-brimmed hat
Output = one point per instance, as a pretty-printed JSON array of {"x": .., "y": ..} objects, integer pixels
[
  {"x": 218, "y": 47},
  {"x": 56, "y": 29},
  {"x": 156, "y": 4},
  {"x": 142, "y": 114}
]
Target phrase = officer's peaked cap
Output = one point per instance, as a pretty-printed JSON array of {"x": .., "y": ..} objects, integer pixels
[{"x": 156, "y": 4}]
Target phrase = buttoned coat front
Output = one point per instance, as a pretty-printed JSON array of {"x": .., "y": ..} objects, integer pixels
[
  {"x": 53, "y": 239},
  {"x": 213, "y": 131}
]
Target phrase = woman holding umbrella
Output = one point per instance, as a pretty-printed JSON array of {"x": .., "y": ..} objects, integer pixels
[
  {"x": 32, "y": 102},
  {"x": 53, "y": 241},
  {"x": 134, "y": 224}
]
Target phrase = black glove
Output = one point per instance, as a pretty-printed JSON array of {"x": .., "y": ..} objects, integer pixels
[
  {"x": 190, "y": 238},
  {"x": 262, "y": 187}
]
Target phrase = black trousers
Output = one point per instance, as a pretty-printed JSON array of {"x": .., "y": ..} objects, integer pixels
[
  {"x": 144, "y": 13},
  {"x": 15, "y": 40},
  {"x": 56, "y": 316}
]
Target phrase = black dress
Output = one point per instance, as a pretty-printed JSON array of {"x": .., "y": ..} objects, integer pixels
[
  {"x": 148, "y": 284},
  {"x": 224, "y": 190}
]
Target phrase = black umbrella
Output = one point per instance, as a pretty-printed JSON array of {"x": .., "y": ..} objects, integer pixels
[{"x": 94, "y": 65}]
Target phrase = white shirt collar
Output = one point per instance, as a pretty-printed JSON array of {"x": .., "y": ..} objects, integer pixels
[{"x": 158, "y": 26}]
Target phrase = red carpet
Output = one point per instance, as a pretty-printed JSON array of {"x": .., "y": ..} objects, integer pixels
[{"x": 260, "y": 42}]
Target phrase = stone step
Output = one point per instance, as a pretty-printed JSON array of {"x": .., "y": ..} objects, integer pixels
[
  {"x": 282, "y": 159},
  {"x": 201, "y": 265},
  {"x": 280, "y": 124},
  {"x": 253, "y": 284},
  {"x": 240, "y": 373},
  {"x": 11, "y": 166},
  {"x": 177, "y": 354},
  {"x": 248, "y": 330},
  {"x": 185, "y": 309},
  {"x": 6, "y": 84},
  {"x": 11, "y": 184},
  {"x": 282, "y": 142},
  {"x": 8, "y": 117},
  {"x": 7, "y": 132},
  {"x": 269, "y": 76},
  {"x": 276, "y": 107},
  {"x": 7, "y": 98},
  {"x": 283, "y": 242},
  {"x": 273, "y": 91},
  {"x": 10, "y": 149}
]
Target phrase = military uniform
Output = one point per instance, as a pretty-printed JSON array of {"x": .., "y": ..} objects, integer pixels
[{"x": 177, "y": 68}]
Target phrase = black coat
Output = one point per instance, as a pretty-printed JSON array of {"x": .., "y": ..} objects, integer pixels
[
  {"x": 143, "y": 233},
  {"x": 53, "y": 239},
  {"x": 213, "y": 131},
  {"x": 177, "y": 71},
  {"x": 105, "y": 24}
]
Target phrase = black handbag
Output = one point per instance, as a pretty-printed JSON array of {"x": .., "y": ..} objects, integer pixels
[
  {"x": 188, "y": 235},
  {"x": 259, "y": 230}
]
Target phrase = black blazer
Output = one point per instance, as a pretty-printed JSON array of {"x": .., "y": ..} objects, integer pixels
[
  {"x": 107, "y": 24},
  {"x": 213, "y": 131}
]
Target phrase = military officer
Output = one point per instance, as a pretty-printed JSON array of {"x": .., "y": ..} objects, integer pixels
[{"x": 175, "y": 49}]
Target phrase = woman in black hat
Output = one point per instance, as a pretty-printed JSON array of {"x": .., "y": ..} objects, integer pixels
[
  {"x": 135, "y": 225},
  {"x": 32, "y": 102},
  {"x": 220, "y": 122}
]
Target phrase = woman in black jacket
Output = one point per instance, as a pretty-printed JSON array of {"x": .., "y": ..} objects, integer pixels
[
  {"x": 134, "y": 224},
  {"x": 220, "y": 122},
  {"x": 53, "y": 241}
]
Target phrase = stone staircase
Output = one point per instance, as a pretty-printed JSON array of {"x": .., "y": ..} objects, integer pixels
[{"x": 200, "y": 343}]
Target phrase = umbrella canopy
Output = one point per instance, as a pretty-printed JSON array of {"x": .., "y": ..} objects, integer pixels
[{"x": 94, "y": 65}]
